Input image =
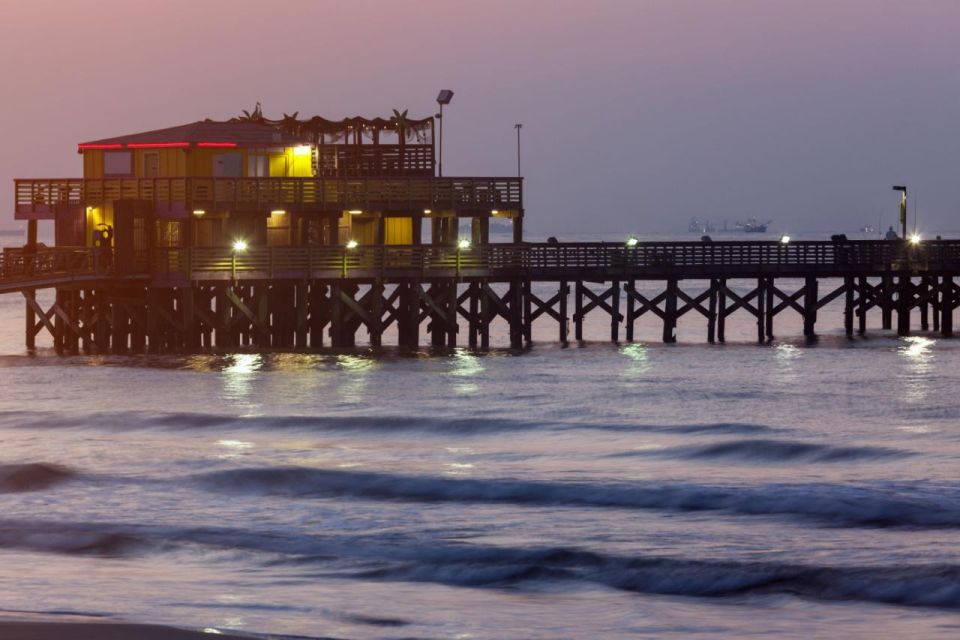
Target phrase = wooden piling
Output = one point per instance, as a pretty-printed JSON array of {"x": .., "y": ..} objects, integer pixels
[
  {"x": 810, "y": 300},
  {"x": 670, "y": 312},
  {"x": 848, "y": 310},
  {"x": 904, "y": 298}
]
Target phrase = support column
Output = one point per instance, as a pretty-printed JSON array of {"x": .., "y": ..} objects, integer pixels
[
  {"x": 31, "y": 318},
  {"x": 564, "y": 328},
  {"x": 484, "y": 316},
  {"x": 527, "y": 311},
  {"x": 101, "y": 312},
  {"x": 318, "y": 307},
  {"x": 631, "y": 308},
  {"x": 924, "y": 296},
  {"x": 670, "y": 312},
  {"x": 886, "y": 302},
  {"x": 810, "y": 296},
  {"x": 848, "y": 284},
  {"x": 516, "y": 315},
  {"x": 615, "y": 311},
  {"x": 721, "y": 309},
  {"x": 761, "y": 309},
  {"x": 473, "y": 330},
  {"x": 518, "y": 229},
  {"x": 578, "y": 312},
  {"x": 904, "y": 295},
  {"x": 862, "y": 306},
  {"x": 376, "y": 313},
  {"x": 712, "y": 312},
  {"x": 408, "y": 315},
  {"x": 768, "y": 311},
  {"x": 946, "y": 306},
  {"x": 934, "y": 289}
]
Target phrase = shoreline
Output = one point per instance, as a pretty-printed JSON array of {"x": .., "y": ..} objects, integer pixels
[{"x": 26, "y": 629}]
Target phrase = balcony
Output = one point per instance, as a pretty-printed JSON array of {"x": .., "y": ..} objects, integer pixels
[{"x": 42, "y": 198}]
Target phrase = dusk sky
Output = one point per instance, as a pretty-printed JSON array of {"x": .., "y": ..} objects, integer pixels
[{"x": 637, "y": 114}]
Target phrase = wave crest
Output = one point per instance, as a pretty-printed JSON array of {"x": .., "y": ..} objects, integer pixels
[
  {"x": 760, "y": 450},
  {"x": 838, "y": 505}
]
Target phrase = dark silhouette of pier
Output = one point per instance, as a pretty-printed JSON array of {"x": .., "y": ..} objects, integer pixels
[{"x": 311, "y": 297}]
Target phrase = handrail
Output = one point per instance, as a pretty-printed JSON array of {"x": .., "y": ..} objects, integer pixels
[
  {"x": 568, "y": 260},
  {"x": 320, "y": 193},
  {"x": 24, "y": 265},
  {"x": 684, "y": 258}
]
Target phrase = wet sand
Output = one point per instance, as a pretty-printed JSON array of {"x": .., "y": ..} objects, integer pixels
[{"x": 14, "y": 630}]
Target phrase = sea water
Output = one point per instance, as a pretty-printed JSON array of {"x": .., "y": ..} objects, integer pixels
[{"x": 632, "y": 490}]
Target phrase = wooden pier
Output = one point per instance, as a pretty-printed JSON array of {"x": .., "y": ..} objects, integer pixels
[{"x": 313, "y": 297}]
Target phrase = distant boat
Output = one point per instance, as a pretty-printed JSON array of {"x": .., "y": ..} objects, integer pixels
[
  {"x": 696, "y": 226},
  {"x": 752, "y": 225}
]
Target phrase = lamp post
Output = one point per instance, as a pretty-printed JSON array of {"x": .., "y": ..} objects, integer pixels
[
  {"x": 903, "y": 209},
  {"x": 518, "y": 126},
  {"x": 349, "y": 246},
  {"x": 444, "y": 97},
  {"x": 239, "y": 246},
  {"x": 462, "y": 245}
]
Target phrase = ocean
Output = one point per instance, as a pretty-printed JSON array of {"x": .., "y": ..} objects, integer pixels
[{"x": 598, "y": 490}]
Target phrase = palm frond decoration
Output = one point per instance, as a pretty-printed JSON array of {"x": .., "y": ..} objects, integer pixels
[
  {"x": 255, "y": 116},
  {"x": 402, "y": 123}
]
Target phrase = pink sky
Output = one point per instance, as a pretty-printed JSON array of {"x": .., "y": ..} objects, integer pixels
[{"x": 637, "y": 115}]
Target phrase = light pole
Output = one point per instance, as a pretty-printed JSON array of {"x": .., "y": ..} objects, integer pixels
[
  {"x": 903, "y": 210},
  {"x": 518, "y": 126},
  {"x": 349, "y": 246},
  {"x": 462, "y": 245},
  {"x": 239, "y": 246},
  {"x": 444, "y": 97}
]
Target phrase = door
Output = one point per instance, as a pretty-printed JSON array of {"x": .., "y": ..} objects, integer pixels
[
  {"x": 131, "y": 241},
  {"x": 278, "y": 166},
  {"x": 151, "y": 165}
]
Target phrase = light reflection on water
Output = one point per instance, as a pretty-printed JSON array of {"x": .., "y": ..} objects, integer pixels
[
  {"x": 918, "y": 352},
  {"x": 239, "y": 377},
  {"x": 639, "y": 359},
  {"x": 467, "y": 367}
]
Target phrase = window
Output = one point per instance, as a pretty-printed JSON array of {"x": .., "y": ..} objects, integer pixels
[
  {"x": 228, "y": 165},
  {"x": 117, "y": 163},
  {"x": 258, "y": 166}
]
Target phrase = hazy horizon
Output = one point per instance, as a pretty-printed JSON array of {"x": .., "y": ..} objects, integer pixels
[{"x": 637, "y": 115}]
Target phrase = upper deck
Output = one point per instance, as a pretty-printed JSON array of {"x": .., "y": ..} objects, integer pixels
[{"x": 41, "y": 199}]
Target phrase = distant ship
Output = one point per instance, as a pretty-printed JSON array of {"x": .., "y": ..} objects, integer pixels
[
  {"x": 752, "y": 225},
  {"x": 696, "y": 226}
]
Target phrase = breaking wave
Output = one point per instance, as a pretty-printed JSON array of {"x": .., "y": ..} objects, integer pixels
[
  {"x": 126, "y": 421},
  {"x": 831, "y": 504},
  {"x": 410, "y": 559},
  {"x": 31, "y": 476},
  {"x": 758, "y": 450},
  {"x": 918, "y": 586}
]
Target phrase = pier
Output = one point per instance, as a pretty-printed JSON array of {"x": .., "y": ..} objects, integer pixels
[{"x": 314, "y": 297}]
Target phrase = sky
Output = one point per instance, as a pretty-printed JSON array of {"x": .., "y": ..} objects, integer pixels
[{"x": 637, "y": 114}]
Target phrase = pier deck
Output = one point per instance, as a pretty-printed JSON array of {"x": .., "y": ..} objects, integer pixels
[{"x": 314, "y": 296}]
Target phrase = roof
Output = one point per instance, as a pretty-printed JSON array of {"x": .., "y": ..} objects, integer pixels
[{"x": 203, "y": 133}]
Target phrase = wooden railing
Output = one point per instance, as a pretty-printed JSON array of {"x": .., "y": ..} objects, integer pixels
[
  {"x": 22, "y": 265},
  {"x": 545, "y": 261},
  {"x": 683, "y": 259},
  {"x": 324, "y": 194}
]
